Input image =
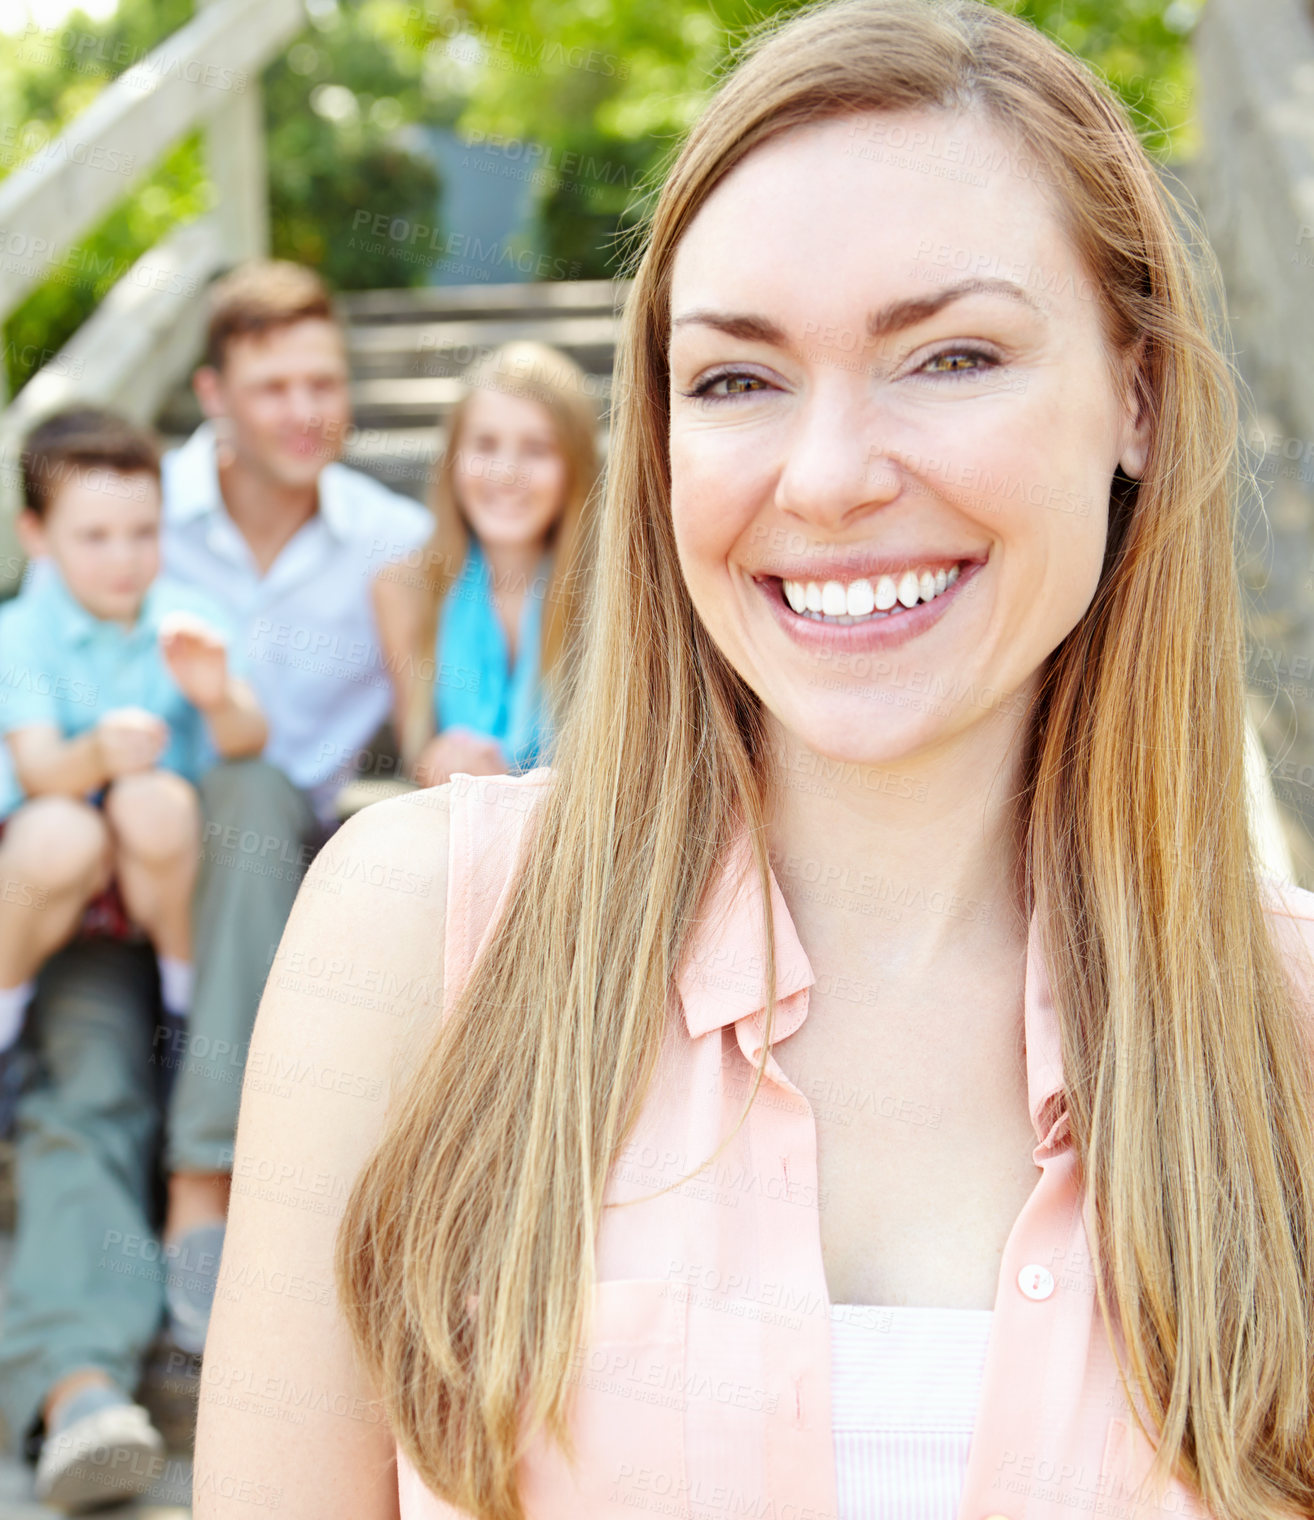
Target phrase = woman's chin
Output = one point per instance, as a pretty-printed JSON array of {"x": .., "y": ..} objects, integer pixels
[{"x": 883, "y": 728}]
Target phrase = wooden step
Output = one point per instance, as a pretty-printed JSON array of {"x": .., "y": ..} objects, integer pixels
[
  {"x": 447, "y": 347},
  {"x": 582, "y": 297},
  {"x": 419, "y": 398}
]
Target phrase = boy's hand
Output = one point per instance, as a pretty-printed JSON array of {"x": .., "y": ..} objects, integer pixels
[
  {"x": 197, "y": 658},
  {"x": 130, "y": 739}
]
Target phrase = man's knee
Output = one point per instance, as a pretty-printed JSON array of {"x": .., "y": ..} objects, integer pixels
[
  {"x": 246, "y": 794},
  {"x": 254, "y": 819}
]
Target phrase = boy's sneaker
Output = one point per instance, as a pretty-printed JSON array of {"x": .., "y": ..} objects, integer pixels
[{"x": 102, "y": 1448}]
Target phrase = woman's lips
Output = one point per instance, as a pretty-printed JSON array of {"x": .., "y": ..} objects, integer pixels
[{"x": 890, "y": 631}]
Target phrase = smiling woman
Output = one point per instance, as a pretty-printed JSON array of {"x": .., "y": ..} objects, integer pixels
[{"x": 873, "y": 1075}]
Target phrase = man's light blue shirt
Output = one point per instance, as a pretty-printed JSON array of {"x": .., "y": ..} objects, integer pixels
[
  {"x": 306, "y": 624},
  {"x": 475, "y": 685},
  {"x": 61, "y": 665}
]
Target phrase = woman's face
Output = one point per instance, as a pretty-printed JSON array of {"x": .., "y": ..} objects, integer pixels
[
  {"x": 510, "y": 472},
  {"x": 894, "y": 423}
]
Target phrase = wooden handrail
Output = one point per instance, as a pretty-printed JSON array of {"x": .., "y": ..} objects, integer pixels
[{"x": 207, "y": 69}]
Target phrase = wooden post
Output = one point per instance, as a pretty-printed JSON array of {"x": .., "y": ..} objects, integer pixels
[{"x": 235, "y": 159}]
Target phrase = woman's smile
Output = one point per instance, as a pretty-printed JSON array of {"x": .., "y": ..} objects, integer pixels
[{"x": 869, "y": 612}]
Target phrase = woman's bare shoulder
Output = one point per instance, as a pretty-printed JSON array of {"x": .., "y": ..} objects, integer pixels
[
  {"x": 370, "y": 918},
  {"x": 411, "y": 831}
]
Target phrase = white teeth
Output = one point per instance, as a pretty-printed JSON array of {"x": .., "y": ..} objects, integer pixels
[
  {"x": 860, "y": 598},
  {"x": 834, "y": 603}
]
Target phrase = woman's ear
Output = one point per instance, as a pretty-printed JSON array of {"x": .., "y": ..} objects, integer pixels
[{"x": 1135, "y": 451}]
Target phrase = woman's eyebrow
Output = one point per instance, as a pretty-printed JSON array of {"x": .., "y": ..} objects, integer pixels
[{"x": 890, "y": 318}]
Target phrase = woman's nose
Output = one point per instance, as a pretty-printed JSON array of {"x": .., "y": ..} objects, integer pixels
[{"x": 839, "y": 462}]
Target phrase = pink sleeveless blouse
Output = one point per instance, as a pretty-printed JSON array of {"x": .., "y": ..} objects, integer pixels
[{"x": 704, "y": 1389}]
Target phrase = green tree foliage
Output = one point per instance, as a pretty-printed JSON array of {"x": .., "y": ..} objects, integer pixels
[
  {"x": 1140, "y": 47},
  {"x": 592, "y": 99},
  {"x": 46, "y": 79},
  {"x": 609, "y": 87},
  {"x": 339, "y": 104}
]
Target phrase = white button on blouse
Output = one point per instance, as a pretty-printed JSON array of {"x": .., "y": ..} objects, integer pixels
[{"x": 1036, "y": 1281}]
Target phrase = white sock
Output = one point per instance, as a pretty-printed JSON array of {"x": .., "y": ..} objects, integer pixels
[
  {"x": 175, "y": 985},
  {"x": 13, "y": 1005}
]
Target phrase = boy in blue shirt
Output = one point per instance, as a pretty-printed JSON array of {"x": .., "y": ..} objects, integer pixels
[{"x": 116, "y": 693}]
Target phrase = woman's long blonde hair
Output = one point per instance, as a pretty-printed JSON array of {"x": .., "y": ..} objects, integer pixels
[
  {"x": 1188, "y": 1072},
  {"x": 536, "y": 372}
]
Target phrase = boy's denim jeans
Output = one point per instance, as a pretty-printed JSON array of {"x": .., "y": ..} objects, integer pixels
[{"x": 85, "y": 1285}]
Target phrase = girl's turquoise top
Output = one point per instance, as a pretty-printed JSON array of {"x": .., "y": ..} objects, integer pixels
[{"x": 475, "y": 686}]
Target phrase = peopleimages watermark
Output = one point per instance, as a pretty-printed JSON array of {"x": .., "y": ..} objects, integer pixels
[
  {"x": 977, "y": 265},
  {"x": 45, "y": 259},
  {"x": 30, "y": 149},
  {"x": 873, "y": 885},
  {"x": 44, "y": 683},
  {"x": 568, "y": 163},
  {"x": 965, "y": 158},
  {"x": 54, "y": 361},
  {"x": 94, "y": 54},
  {"x": 415, "y": 241},
  {"x": 525, "y": 52}
]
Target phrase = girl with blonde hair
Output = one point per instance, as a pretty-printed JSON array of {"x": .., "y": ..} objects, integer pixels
[
  {"x": 477, "y": 641},
  {"x": 868, "y": 1074}
]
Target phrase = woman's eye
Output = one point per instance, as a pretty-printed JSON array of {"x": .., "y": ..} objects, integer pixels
[
  {"x": 734, "y": 380},
  {"x": 958, "y": 361}
]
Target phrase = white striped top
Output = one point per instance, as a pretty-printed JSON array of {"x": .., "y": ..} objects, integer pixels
[{"x": 905, "y": 1389}]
